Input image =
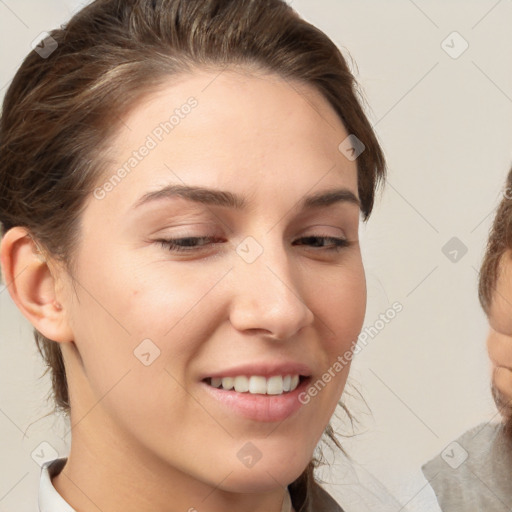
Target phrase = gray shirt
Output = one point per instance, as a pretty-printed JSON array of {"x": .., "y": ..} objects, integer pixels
[{"x": 474, "y": 473}]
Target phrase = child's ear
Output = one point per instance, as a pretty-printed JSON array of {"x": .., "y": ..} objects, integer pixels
[
  {"x": 500, "y": 310},
  {"x": 32, "y": 285}
]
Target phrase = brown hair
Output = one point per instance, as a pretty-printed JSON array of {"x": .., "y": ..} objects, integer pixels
[{"x": 60, "y": 112}]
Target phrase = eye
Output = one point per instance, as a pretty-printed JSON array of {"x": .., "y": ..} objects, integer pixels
[
  {"x": 336, "y": 243},
  {"x": 188, "y": 244},
  {"x": 191, "y": 244}
]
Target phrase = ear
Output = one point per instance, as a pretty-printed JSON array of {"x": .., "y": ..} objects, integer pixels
[
  {"x": 500, "y": 310},
  {"x": 32, "y": 286}
]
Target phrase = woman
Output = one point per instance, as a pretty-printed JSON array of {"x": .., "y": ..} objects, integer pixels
[{"x": 181, "y": 185}]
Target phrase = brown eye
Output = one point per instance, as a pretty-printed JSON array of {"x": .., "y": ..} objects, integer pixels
[
  {"x": 187, "y": 244},
  {"x": 335, "y": 243}
]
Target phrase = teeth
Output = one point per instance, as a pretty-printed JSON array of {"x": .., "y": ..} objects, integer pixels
[
  {"x": 241, "y": 384},
  {"x": 227, "y": 382},
  {"x": 216, "y": 382},
  {"x": 275, "y": 385},
  {"x": 256, "y": 384}
]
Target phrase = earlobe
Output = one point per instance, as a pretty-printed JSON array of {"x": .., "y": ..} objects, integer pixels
[{"x": 32, "y": 285}]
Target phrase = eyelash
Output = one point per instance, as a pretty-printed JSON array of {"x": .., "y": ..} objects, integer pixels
[{"x": 173, "y": 245}]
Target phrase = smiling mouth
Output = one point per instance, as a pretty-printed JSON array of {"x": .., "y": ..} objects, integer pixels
[{"x": 257, "y": 384}]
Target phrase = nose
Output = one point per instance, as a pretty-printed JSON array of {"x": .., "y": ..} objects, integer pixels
[{"x": 268, "y": 297}]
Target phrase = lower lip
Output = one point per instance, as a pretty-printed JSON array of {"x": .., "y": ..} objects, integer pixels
[{"x": 264, "y": 408}]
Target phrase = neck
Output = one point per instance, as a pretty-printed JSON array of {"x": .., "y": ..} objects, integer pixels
[{"x": 112, "y": 474}]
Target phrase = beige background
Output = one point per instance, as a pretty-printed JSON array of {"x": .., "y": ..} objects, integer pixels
[{"x": 446, "y": 127}]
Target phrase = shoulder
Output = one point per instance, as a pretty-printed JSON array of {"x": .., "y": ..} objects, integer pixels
[
  {"x": 474, "y": 470},
  {"x": 322, "y": 501},
  {"x": 311, "y": 497}
]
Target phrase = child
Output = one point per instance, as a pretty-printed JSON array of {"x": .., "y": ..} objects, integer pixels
[
  {"x": 495, "y": 291},
  {"x": 473, "y": 473}
]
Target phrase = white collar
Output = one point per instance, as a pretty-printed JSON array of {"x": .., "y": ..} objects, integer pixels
[
  {"x": 287, "y": 502},
  {"x": 51, "y": 501}
]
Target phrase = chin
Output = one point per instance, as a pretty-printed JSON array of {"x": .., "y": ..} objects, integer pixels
[
  {"x": 505, "y": 408},
  {"x": 261, "y": 478}
]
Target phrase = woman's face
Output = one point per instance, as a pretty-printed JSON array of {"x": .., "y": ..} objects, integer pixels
[{"x": 260, "y": 294}]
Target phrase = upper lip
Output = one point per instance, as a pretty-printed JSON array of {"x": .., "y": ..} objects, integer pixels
[{"x": 268, "y": 369}]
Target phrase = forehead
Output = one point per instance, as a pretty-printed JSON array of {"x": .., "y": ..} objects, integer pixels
[{"x": 245, "y": 128}]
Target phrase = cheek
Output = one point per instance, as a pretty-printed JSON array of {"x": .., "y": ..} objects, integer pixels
[
  {"x": 145, "y": 321},
  {"x": 151, "y": 300},
  {"x": 137, "y": 331},
  {"x": 500, "y": 310},
  {"x": 340, "y": 302}
]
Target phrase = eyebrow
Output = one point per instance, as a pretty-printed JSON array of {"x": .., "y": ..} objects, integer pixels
[{"x": 214, "y": 197}]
